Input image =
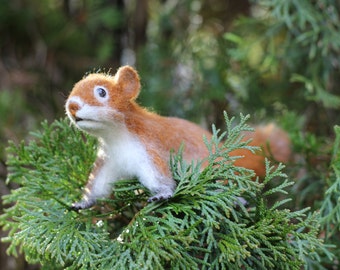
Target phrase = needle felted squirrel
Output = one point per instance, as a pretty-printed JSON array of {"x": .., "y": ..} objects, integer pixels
[{"x": 136, "y": 143}]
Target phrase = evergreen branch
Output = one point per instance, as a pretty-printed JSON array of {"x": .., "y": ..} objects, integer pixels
[{"x": 203, "y": 226}]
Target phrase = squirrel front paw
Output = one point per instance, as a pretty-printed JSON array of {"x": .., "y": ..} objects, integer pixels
[{"x": 84, "y": 204}]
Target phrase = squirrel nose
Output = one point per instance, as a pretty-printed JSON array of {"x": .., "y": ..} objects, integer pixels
[{"x": 73, "y": 108}]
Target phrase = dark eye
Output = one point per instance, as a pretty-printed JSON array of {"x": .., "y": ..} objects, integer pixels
[{"x": 101, "y": 92}]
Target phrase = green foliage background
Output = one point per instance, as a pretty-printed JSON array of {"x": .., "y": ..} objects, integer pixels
[{"x": 275, "y": 60}]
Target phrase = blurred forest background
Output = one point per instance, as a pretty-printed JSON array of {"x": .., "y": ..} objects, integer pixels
[{"x": 276, "y": 60}]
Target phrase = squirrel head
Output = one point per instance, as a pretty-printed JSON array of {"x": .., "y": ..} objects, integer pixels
[{"x": 100, "y": 101}]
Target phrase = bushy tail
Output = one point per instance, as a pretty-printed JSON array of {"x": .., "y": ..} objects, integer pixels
[{"x": 275, "y": 145}]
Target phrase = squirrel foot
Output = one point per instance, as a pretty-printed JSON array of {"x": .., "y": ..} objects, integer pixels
[
  {"x": 160, "y": 197},
  {"x": 84, "y": 204}
]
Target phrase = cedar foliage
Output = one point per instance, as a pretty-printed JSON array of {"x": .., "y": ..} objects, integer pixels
[{"x": 204, "y": 226}]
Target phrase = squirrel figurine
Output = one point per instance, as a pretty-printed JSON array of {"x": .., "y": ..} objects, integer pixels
[{"x": 136, "y": 143}]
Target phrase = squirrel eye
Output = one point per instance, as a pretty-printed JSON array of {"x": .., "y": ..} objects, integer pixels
[{"x": 101, "y": 93}]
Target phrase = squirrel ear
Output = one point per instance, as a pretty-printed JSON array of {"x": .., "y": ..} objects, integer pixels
[{"x": 128, "y": 79}]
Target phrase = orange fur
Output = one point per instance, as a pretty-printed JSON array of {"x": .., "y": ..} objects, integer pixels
[{"x": 274, "y": 143}]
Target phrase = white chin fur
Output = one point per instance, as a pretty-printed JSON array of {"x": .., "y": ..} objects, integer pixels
[
  {"x": 96, "y": 120},
  {"x": 90, "y": 126},
  {"x": 100, "y": 127}
]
